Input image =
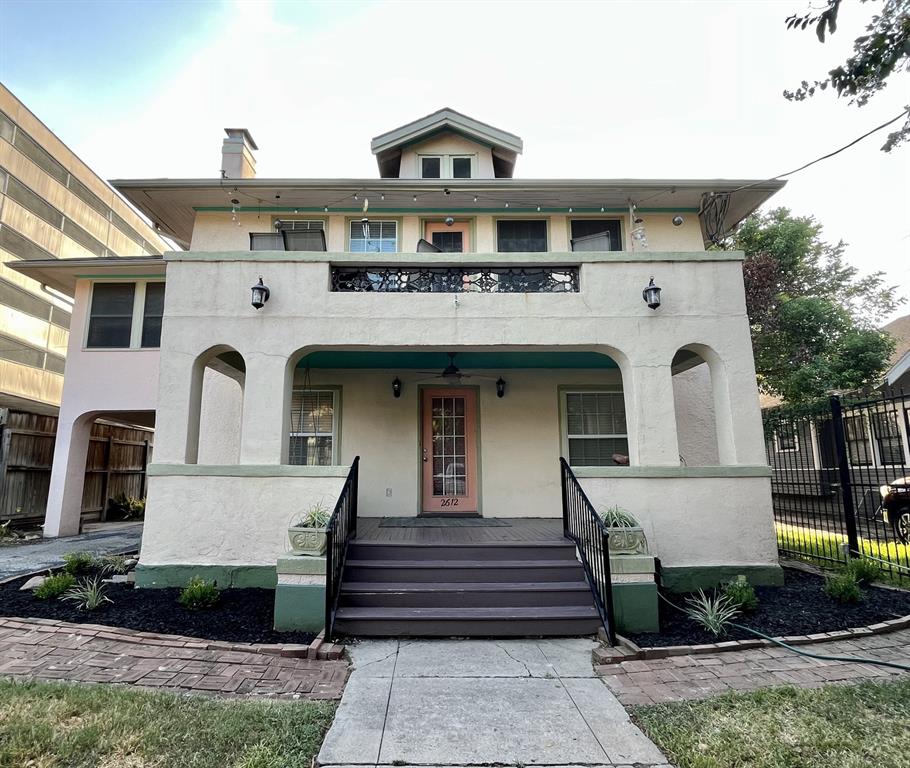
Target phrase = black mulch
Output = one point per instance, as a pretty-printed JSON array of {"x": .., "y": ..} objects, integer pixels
[
  {"x": 800, "y": 607},
  {"x": 241, "y": 615}
]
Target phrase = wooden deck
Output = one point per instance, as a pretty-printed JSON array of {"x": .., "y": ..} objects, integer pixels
[{"x": 523, "y": 529}]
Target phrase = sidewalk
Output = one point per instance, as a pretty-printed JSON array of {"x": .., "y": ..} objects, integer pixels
[
  {"x": 481, "y": 702},
  {"x": 19, "y": 559}
]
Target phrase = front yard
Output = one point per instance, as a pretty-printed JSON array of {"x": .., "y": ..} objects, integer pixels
[
  {"x": 852, "y": 726},
  {"x": 58, "y": 725}
]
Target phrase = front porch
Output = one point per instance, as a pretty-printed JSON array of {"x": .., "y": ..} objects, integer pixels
[{"x": 460, "y": 531}]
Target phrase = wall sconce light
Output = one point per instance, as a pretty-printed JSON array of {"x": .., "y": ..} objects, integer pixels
[
  {"x": 500, "y": 387},
  {"x": 396, "y": 387},
  {"x": 651, "y": 295},
  {"x": 260, "y": 294}
]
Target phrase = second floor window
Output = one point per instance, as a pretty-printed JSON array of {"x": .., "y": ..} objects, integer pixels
[
  {"x": 383, "y": 237},
  {"x": 596, "y": 235},
  {"x": 125, "y": 315},
  {"x": 521, "y": 236}
]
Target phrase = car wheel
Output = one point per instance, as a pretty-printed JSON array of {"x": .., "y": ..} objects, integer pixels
[{"x": 902, "y": 526}]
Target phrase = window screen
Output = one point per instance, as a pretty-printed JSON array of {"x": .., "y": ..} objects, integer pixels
[
  {"x": 312, "y": 427},
  {"x": 857, "y": 440},
  {"x": 461, "y": 167},
  {"x": 521, "y": 236},
  {"x": 151, "y": 314},
  {"x": 430, "y": 167},
  {"x": 596, "y": 235},
  {"x": 266, "y": 241},
  {"x": 786, "y": 438},
  {"x": 383, "y": 237},
  {"x": 595, "y": 428},
  {"x": 111, "y": 318},
  {"x": 888, "y": 436}
]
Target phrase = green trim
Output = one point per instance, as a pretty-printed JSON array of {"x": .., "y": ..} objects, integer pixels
[
  {"x": 299, "y": 607},
  {"x": 389, "y": 360},
  {"x": 689, "y": 578},
  {"x": 307, "y": 565},
  {"x": 237, "y": 576},
  {"x": 737, "y": 470},
  {"x": 245, "y": 470},
  {"x": 442, "y": 211},
  {"x": 635, "y": 607},
  {"x": 449, "y": 259}
]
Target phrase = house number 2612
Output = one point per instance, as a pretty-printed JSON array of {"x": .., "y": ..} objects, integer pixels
[{"x": 449, "y": 503}]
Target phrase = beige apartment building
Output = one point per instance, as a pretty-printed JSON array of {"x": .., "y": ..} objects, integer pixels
[{"x": 52, "y": 206}]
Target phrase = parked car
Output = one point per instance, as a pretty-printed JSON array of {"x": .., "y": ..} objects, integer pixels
[{"x": 895, "y": 507}]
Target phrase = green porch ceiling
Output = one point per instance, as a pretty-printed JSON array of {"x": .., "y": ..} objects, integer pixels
[{"x": 464, "y": 360}]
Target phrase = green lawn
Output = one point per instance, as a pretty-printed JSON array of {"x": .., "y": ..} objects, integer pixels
[
  {"x": 54, "y": 725},
  {"x": 838, "y": 726}
]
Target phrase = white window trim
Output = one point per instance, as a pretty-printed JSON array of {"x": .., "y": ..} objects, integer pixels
[
  {"x": 396, "y": 222},
  {"x": 876, "y": 440},
  {"x": 446, "y": 168},
  {"x": 794, "y": 449},
  {"x": 564, "y": 415},
  {"x": 138, "y": 314},
  {"x": 336, "y": 420},
  {"x": 282, "y": 219},
  {"x": 536, "y": 217}
]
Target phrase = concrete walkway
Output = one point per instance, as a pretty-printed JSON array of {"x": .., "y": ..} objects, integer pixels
[
  {"x": 19, "y": 559},
  {"x": 481, "y": 702}
]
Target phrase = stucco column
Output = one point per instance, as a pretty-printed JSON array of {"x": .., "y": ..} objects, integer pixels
[
  {"x": 64, "y": 498},
  {"x": 173, "y": 416},
  {"x": 654, "y": 427},
  {"x": 264, "y": 427},
  {"x": 748, "y": 439}
]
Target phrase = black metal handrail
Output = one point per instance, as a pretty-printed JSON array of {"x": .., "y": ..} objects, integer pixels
[
  {"x": 341, "y": 528},
  {"x": 583, "y": 525}
]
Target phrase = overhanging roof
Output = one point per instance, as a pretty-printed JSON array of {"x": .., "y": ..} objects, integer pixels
[
  {"x": 387, "y": 146},
  {"x": 173, "y": 203},
  {"x": 62, "y": 274}
]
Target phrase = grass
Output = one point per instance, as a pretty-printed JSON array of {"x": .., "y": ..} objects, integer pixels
[
  {"x": 59, "y": 725},
  {"x": 853, "y": 726}
]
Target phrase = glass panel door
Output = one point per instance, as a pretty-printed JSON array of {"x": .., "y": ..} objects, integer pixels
[{"x": 449, "y": 450}]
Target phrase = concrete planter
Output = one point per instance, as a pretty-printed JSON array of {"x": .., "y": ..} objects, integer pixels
[
  {"x": 307, "y": 541},
  {"x": 628, "y": 541}
]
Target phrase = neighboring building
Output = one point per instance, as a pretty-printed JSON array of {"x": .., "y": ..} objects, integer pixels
[
  {"x": 898, "y": 376},
  {"x": 457, "y": 329},
  {"x": 52, "y": 206}
]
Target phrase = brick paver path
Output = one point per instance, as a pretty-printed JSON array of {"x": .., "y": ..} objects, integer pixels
[
  {"x": 691, "y": 677},
  {"x": 41, "y": 650}
]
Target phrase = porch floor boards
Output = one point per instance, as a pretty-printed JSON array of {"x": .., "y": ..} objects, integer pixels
[{"x": 519, "y": 530}]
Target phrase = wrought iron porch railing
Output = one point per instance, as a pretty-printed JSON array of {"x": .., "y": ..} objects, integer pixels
[
  {"x": 583, "y": 525},
  {"x": 341, "y": 528},
  {"x": 468, "y": 279}
]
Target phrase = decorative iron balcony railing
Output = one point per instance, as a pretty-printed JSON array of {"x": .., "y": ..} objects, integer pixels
[{"x": 468, "y": 279}]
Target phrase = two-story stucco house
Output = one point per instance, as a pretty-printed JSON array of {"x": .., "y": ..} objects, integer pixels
[{"x": 459, "y": 330}]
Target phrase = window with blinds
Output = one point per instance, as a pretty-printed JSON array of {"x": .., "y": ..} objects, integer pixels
[
  {"x": 521, "y": 236},
  {"x": 313, "y": 427},
  {"x": 888, "y": 437},
  {"x": 383, "y": 237},
  {"x": 111, "y": 315},
  {"x": 594, "y": 428}
]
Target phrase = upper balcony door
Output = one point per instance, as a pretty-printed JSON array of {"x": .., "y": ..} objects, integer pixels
[{"x": 453, "y": 238}]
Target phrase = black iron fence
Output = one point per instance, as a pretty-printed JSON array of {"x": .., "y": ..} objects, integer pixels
[
  {"x": 837, "y": 467},
  {"x": 341, "y": 528},
  {"x": 583, "y": 525},
  {"x": 480, "y": 279}
]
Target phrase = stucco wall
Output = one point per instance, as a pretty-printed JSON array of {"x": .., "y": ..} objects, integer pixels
[
  {"x": 448, "y": 144},
  {"x": 696, "y": 426},
  {"x": 220, "y": 419},
  {"x": 227, "y": 520},
  {"x": 216, "y": 231}
]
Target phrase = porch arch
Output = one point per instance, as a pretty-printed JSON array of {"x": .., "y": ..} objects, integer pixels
[{"x": 214, "y": 418}]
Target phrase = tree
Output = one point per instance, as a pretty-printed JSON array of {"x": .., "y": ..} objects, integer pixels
[
  {"x": 813, "y": 317},
  {"x": 885, "y": 49}
]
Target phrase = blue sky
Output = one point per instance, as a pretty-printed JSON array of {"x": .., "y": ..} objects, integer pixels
[{"x": 647, "y": 89}]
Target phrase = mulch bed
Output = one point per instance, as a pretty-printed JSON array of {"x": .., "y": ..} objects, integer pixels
[
  {"x": 241, "y": 615},
  {"x": 800, "y": 607}
]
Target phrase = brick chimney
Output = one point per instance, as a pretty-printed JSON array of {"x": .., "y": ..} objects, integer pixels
[{"x": 237, "y": 158}]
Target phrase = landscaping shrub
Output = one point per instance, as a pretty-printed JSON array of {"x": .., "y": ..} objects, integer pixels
[
  {"x": 864, "y": 570},
  {"x": 54, "y": 586},
  {"x": 843, "y": 587},
  {"x": 713, "y": 613},
  {"x": 199, "y": 594},
  {"x": 88, "y": 595},
  {"x": 78, "y": 562},
  {"x": 126, "y": 507},
  {"x": 317, "y": 516},
  {"x": 741, "y": 594},
  {"x": 617, "y": 517},
  {"x": 112, "y": 564}
]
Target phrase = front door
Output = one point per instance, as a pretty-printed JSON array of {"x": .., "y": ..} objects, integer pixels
[{"x": 449, "y": 450}]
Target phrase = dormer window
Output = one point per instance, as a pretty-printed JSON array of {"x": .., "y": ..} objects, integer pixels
[{"x": 446, "y": 166}]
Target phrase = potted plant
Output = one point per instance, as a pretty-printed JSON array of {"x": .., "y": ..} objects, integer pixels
[
  {"x": 626, "y": 536},
  {"x": 307, "y": 535}
]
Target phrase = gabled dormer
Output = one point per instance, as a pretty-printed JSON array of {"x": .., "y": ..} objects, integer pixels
[{"x": 446, "y": 145}]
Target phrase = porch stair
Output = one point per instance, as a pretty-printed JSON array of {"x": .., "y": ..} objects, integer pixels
[{"x": 495, "y": 589}]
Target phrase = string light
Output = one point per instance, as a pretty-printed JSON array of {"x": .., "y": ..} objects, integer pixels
[
  {"x": 475, "y": 198},
  {"x": 355, "y": 196},
  {"x": 415, "y": 198},
  {"x": 507, "y": 205},
  {"x": 326, "y": 209},
  {"x": 538, "y": 209},
  {"x": 381, "y": 196},
  {"x": 570, "y": 209}
]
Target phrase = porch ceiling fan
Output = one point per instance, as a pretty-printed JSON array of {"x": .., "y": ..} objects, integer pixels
[{"x": 452, "y": 374}]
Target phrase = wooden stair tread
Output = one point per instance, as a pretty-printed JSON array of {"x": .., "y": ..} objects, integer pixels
[
  {"x": 460, "y": 563},
  {"x": 463, "y": 586},
  {"x": 456, "y": 614}
]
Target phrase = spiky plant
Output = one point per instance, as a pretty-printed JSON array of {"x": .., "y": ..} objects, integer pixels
[
  {"x": 714, "y": 612},
  {"x": 88, "y": 595}
]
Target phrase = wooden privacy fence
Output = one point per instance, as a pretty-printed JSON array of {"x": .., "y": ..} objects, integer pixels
[{"x": 115, "y": 464}]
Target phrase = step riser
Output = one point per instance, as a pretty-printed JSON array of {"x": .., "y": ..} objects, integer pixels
[
  {"x": 461, "y": 628},
  {"x": 465, "y": 599},
  {"x": 491, "y": 553},
  {"x": 379, "y": 574}
]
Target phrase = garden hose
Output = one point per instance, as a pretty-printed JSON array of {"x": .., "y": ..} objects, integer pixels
[{"x": 822, "y": 657}]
